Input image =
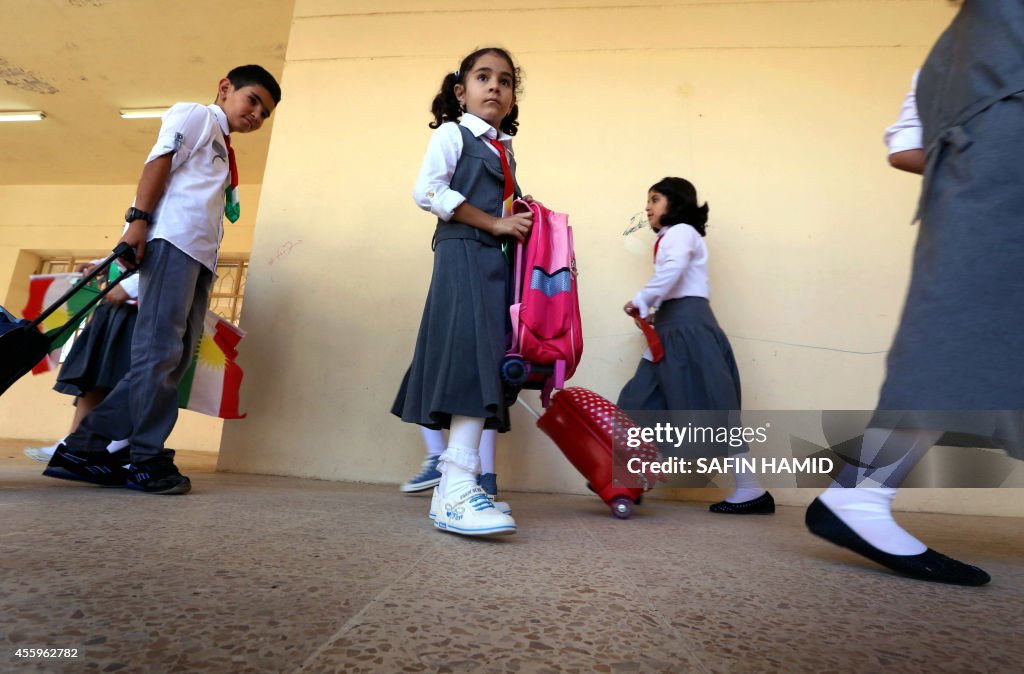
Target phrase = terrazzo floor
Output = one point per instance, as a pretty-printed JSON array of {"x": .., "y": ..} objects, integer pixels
[{"x": 269, "y": 574}]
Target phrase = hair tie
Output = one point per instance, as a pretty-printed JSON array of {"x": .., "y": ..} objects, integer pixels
[{"x": 455, "y": 72}]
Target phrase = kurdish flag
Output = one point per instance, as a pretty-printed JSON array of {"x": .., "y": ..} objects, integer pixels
[
  {"x": 211, "y": 384},
  {"x": 44, "y": 290}
]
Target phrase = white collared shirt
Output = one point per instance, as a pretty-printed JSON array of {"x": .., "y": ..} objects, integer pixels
[
  {"x": 680, "y": 269},
  {"x": 905, "y": 134},
  {"x": 433, "y": 190},
  {"x": 190, "y": 215}
]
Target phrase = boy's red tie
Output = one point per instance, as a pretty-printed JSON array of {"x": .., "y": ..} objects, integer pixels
[{"x": 232, "y": 209}]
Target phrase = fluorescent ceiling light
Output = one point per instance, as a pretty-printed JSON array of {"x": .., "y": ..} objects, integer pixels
[
  {"x": 22, "y": 116},
  {"x": 143, "y": 113}
]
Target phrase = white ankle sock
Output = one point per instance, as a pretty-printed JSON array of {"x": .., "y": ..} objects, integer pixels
[
  {"x": 747, "y": 486},
  {"x": 460, "y": 463},
  {"x": 868, "y": 511},
  {"x": 454, "y": 478}
]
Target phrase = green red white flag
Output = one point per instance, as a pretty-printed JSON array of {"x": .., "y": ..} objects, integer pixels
[
  {"x": 44, "y": 290},
  {"x": 212, "y": 382}
]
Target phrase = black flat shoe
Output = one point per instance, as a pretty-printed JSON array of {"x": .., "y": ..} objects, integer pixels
[
  {"x": 929, "y": 565},
  {"x": 762, "y": 505}
]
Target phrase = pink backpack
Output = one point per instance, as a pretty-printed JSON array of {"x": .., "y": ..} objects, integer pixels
[{"x": 547, "y": 336}]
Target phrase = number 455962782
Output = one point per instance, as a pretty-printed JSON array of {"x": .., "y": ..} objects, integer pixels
[{"x": 46, "y": 653}]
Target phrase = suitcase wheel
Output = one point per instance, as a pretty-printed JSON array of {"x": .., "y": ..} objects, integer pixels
[{"x": 621, "y": 507}]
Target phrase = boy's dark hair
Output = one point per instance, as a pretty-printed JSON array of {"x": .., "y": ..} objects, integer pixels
[
  {"x": 682, "y": 204},
  {"x": 446, "y": 108},
  {"x": 243, "y": 76}
]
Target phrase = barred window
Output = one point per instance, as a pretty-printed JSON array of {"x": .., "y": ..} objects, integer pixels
[
  {"x": 228, "y": 289},
  {"x": 65, "y": 265},
  {"x": 225, "y": 296},
  {"x": 62, "y": 265}
]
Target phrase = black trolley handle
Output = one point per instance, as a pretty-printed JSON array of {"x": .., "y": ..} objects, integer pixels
[{"x": 123, "y": 250}]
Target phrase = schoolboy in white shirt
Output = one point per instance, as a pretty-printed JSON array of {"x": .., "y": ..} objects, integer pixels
[{"x": 189, "y": 183}]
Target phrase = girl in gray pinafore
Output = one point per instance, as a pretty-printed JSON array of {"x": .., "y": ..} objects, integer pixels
[
  {"x": 468, "y": 181},
  {"x": 957, "y": 362},
  {"x": 698, "y": 371}
]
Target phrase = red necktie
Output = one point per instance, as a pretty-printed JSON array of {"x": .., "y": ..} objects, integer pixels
[
  {"x": 506, "y": 199},
  {"x": 231, "y": 205}
]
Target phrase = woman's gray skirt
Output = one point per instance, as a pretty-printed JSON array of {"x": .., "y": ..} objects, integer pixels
[{"x": 957, "y": 362}]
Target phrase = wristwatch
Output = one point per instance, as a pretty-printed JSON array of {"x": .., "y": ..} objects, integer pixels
[{"x": 133, "y": 214}]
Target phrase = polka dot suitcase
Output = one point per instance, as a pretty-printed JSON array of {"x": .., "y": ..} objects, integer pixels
[{"x": 593, "y": 433}]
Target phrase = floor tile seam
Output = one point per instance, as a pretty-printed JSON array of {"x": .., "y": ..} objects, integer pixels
[
  {"x": 643, "y": 597},
  {"x": 355, "y": 620}
]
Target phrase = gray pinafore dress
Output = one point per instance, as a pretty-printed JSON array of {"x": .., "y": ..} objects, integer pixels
[
  {"x": 102, "y": 354},
  {"x": 957, "y": 361},
  {"x": 463, "y": 333},
  {"x": 698, "y": 371}
]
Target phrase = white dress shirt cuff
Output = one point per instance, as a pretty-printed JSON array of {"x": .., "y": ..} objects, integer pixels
[
  {"x": 444, "y": 201},
  {"x": 640, "y": 302},
  {"x": 903, "y": 140},
  {"x": 131, "y": 286}
]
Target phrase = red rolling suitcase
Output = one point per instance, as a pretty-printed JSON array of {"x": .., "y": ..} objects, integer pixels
[{"x": 586, "y": 427}]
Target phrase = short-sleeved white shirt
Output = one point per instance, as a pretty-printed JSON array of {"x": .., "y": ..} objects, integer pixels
[
  {"x": 190, "y": 215},
  {"x": 905, "y": 134}
]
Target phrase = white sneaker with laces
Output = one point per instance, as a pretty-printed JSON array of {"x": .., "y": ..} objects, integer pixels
[
  {"x": 470, "y": 513},
  {"x": 500, "y": 506},
  {"x": 436, "y": 503}
]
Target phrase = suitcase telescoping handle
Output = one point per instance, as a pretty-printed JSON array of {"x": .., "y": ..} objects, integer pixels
[
  {"x": 534, "y": 413},
  {"x": 124, "y": 251}
]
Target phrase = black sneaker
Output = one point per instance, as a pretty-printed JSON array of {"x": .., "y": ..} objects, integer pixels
[
  {"x": 158, "y": 475},
  {"x": 100, "y": 468}
]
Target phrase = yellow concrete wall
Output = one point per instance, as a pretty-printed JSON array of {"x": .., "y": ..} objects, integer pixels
[
  {"x": 774, "y": 109},
  {"x": 80, "y": 219}
]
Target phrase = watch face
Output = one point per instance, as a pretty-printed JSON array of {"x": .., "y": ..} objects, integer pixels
[{"x": 133, "y": 214}]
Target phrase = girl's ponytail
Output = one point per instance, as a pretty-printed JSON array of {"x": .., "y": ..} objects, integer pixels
[
  {"x": 699, "y": 218},
  {"x": 445, "y": 107}
]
